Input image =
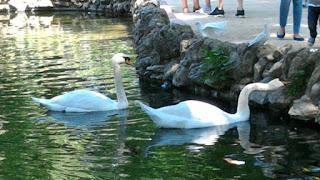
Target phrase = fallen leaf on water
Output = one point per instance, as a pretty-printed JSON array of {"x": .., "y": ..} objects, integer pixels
[{"x": 235, "y": 162}]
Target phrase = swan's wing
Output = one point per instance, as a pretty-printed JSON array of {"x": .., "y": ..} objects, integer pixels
[
  {"x": 195, "y": 114},
  {"x": 86, "y": 100}
]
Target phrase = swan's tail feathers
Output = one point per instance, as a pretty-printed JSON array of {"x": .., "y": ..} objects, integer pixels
[
  {"x": 275, "y": 84},
  {"x": 40, "y": 101},
  {"x": 147, "y": 109},
  {"x": 49, "y": 105}
]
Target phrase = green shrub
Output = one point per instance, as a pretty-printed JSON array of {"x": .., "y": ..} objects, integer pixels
[
  {"x": 299, "y": 82},
  {"x": 215, "y": 67}
]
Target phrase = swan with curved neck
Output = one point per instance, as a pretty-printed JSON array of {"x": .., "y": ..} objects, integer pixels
[
  {"x": 88, "y": 101},
  {"x": 196, "y": 114}
]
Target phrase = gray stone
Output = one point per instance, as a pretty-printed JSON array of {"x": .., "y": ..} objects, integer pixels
[
  {"x": 259, "y": 68},
  {"x": 170, "y": 70},
  {"x": 315, "y": 93},
  {"x": 275, "y": 71},
  {"x": 304, "y": 109},
  {"x": 156, "y": 68},
  {"x": 279, "y": 97},
  {"x": 259, "y": 97}
]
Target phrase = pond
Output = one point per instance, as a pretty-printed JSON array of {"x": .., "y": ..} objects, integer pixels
[{"x": 44, "y": 56}]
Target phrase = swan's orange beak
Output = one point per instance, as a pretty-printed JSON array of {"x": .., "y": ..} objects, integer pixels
[{"x": 128, "y": 61}]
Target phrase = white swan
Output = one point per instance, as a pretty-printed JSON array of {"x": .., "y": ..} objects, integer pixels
[
  {"x": 89, "y": 101},
  {"x": 197, "y": 114}
]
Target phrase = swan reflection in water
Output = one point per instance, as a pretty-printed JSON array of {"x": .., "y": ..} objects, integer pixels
[
  {"x": 203, "y": 137},
  {"x": 85, "y": 120}
]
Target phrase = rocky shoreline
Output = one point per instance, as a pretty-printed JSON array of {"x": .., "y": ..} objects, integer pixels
[
  {"x": 172, "y": 53},
  {"x": 112, "y": 7}
]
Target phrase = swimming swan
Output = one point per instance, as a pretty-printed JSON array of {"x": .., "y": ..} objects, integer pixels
[
  {"x": 89, "y": 101},
  {"x": 196, "y": 114}
]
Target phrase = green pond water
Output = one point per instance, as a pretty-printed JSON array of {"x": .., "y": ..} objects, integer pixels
[{"x": 44, "y": 56}]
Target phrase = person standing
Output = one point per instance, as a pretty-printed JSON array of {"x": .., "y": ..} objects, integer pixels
[
  {"x": 196, "y": 6},
  {"x": 313, "y": 16},
  {"x": 185, "y": 7},
  {"x": 297, "y": 14},
  {"x": 218, "y": 11}
]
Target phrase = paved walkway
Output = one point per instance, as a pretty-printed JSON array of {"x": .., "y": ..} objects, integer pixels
[{"x": 258, "y": 12}]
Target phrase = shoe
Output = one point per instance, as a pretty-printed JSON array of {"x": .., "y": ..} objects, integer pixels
[
  {"x": 311, "y": 41},
  {"x": 298, "y": 38},
  {"x": 217, "y": 12},
  {"x": 207, "y": 9},
  {"x": 280, "y": 36},
  {"x": 240, "y": 13},
  {"x": 200, "y": 11},
  {"x": 196, "y": 9}
]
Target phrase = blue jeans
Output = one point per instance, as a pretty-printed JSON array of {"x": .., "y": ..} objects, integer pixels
[
  {"x": 313, "y": 15},
  {"x": 297, "y": 13}
]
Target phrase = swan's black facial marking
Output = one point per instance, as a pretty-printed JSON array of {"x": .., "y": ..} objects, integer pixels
[{"x": 127, "y": 60}]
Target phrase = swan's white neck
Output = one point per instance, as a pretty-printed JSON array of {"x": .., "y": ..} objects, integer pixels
[
  {"x": 243, "y": 111},
  {"x": 121, "y": 95}
]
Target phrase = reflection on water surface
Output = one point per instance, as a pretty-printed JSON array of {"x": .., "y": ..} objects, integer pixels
[{"x": 44, "y": 56}]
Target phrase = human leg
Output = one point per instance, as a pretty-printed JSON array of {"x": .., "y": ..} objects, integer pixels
[
  {"x": 312, "y": 21},
  {"x": 220, "y": 4},
  {"x": 207, "y": 7},
  {"x": 312, "y": 24},
  {"x": 297, "y": 14},
  {"x": 184, "y": 4},
  {"x": 218, "y": 11},
  {"x": 240, "y": 5},
  {"x": 196, "y": 5},
  {"x": 240, "y": 10},
  {"x": 284, "y": 11}
]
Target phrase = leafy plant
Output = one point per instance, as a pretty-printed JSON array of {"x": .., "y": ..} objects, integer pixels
[
  {"x": 299, "y": 82},
  {"x": 215, "y": 66}
]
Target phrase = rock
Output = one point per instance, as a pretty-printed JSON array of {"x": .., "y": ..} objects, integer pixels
[
  {"x": 279, "y": 97},
  {"x": 195, "y": 74},
  {"x": 265, "y": 51},
  {"x": 275, "y": 71},
  {"x": 245, "y": 65},
  {"x": 312, "y": 87},
  {"x": 259, "y": 68},
  {"x": 181, "y": 77},
  {"x": 315, "y": 93},
  {"x": 170, "y": 70},
  {"x": 304, "y": 109},
  {"x": 259, "y": 97},
  {"x": 156, "y": 68}
]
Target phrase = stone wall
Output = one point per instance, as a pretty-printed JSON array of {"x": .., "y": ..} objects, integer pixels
[
  {"x": 115, "y": 7},
  {"x": 118, "y": 7},
  {"x": 171, "y": 53}
]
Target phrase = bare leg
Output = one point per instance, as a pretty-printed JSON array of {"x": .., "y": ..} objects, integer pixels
[
  {"x": 240, "y": 5},
  {"x": 208, "y": 6},
  {"x": 196, "y": 5},
  {"x": 220, "y": 4},
  {"x": 184, "y": 6},
  {"x": 208, "y": 3}
]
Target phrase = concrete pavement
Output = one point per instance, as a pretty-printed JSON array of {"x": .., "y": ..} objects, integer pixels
[{"x": 257, "y": 12}]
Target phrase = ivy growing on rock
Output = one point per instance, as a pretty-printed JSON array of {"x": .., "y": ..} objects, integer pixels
[
  {"x": 216, "y": 67},
  {"x": 299, "y": 82}
]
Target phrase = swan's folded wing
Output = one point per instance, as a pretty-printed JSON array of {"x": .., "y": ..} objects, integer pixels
[
  {"x": 196, "y": 114},
  {"x": 85, "y": 99}
]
